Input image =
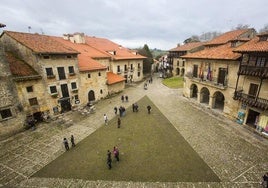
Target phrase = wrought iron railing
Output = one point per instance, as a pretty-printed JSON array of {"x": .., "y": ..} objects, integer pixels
[{"x": 250, "y": 100}]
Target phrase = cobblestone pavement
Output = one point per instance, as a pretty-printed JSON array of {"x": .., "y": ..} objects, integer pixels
[{"x": 236, "y": 154}]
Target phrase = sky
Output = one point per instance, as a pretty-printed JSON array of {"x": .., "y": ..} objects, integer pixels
[{"x": 160, "y": 24}]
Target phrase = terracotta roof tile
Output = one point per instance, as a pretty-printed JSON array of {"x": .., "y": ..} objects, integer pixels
[
  {"x": 221, "y": 52},
  {"x": 254, "y": 45},
  {"x": 114, "y": 78},
  {"x": 87, "y": 53},
  {"x": 19, "y": 68},
  {"x": 108, "y": 47},
  {"x": 228, "y": 36},
  {"x": 40, "y": 43},
  {"x": 187, "y": 47}
]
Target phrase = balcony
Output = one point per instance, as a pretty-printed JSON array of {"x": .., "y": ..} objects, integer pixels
[
  {"x": 213, "y": 82},
  {"x": 253, "y": 71},
  {"x": 251, "y": 100},
  {"x": 51, "y": 76}
]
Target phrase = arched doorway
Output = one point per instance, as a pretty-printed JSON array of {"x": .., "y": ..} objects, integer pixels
[
  {"x": 91, "y": 96},
  {"x": 193, "y": 91},
  {"x": 204, "y": 95},
  {"x": 177, "y": 71},
  {"x": 182, "y": 72},
  {"x": 218, "y": 102}
]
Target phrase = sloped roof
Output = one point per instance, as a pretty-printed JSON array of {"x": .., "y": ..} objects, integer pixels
[
  {"x": 186, "y": 47},
  {"x": 107, "y": 46},
  {"x": 114, "y": 78},
  {"x": 40, "y": 43},
  {"x": 20, "y": 69},
  {"x": 224, "y": 52},
  {"x": 226, "y": 37},
  {"x": 254, "y": 45},
  {"x": 87, "y": 53}
]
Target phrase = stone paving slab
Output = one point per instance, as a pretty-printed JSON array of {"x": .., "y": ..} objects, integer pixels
[{"x": 236, "y": 155}]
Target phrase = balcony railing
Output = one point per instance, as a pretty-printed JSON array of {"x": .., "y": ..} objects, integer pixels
[
  {"x": 251, "y": 100},
  {"x": 209, "y": 82},
  {"x": 253, "y": 71}
]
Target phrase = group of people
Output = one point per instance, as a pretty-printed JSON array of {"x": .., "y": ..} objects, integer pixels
[
  {"x": 66, "y": 144},
  {"x": 124, "y": 98},
  {"x": 121, "y": 109},
  {"x": 109, "y": 156},
  {"x": 135, "y": 107}
]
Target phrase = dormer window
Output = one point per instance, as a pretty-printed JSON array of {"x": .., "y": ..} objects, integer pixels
[
  {"x": 233, "y": 44},
  {"x": 112, "y": 52}
]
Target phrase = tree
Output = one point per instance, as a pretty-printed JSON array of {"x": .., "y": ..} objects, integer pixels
[
  {"x": 193, "y": 38},
  {"x": 241, "y": 26},
  {"x": 145, "y": 51}
]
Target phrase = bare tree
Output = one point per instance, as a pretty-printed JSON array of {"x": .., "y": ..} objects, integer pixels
[{"x": 264, "y": 29}]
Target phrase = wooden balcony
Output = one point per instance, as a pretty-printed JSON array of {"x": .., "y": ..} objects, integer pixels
[
  {"x": 251, "y": 100},
  {"x": 261, "y": 72}
]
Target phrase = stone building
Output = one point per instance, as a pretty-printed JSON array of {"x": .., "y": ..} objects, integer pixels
[
  {"x": 251, "y": 88},
  {"x": 174, "y": 56},
  {"x": 211, "y": 73},
  {"x": 123, "y": 62}
]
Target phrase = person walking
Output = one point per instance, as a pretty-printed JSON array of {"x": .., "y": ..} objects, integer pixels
[
  {"x": 122, "y": 98},
  {"x": 115, "y": 110},
  {"x": 66, "y": 144},
  {"x": 72, "y": 140},
  {"x": 149, "y": 109},
  {"x": 118, "y": 122},
  {"x": 109, "y": 159},
  {"x": 265, "y": 180},
  {"x": 105, "y": 117},
  {"x": 126, "y": 97},
  {"x": 116, "y": 153},
  {"x": 133, "y": 107}
]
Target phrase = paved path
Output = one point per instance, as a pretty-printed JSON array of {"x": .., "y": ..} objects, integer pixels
[{"x": 237, "y": 155}]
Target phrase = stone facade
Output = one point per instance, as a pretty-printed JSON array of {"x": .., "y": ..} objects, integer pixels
[
  {"x": 131, "y": 70},
  {"x": 211, "y": 91}
]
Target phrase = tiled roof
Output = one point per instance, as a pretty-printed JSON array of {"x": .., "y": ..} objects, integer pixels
[
  {"x": 226, "y": 37},
  {"x": 253, "y": 45},
  {"x": 114, "y": 78},
  {"x": 87, "y": 53},
  {"x": 224, "y": 52},
  {"x": 187, "y": 47},
  {"x": 20, "y": 69},
  {"x": 108, "y": 47},
  {"x": 40, "y": 43}
]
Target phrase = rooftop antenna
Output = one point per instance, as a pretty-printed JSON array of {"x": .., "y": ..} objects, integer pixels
[{"x": 29, "y": 29}]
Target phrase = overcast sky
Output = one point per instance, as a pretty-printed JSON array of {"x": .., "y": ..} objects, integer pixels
[{"x": 160, "y": 24}]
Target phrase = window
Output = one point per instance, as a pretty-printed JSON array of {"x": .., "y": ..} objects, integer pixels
[
  {"x": 245, "y": 59},
  {"x": 76, "y": 97},
  {"x": 6, "y": 113},
  {"x": 253, "y": 88},
  {"x": 139, "y": 74},
  {"x": 88, "y": 75},
  {"x": 29, "y": 89},
  {"x": 49, "y": 72},
  {"x": 73, "y": 84},
  {"x": 260, "y": 61},
  {"x": 99, "y": 73},
  {"x": 139, "y": 65},
  {"x": 69, "y": 56},
  {"x": 46, "y": 57},
  {"x": 53, "y": 89},
  {"x": 131, "y": 66},
  {"x": 252, "y": 60},
  {"x": 33, "y": 101},
  {"x": 125, "y": 68},
  {"x": 71, "y": 69},
  {"x": 118, "y": 68},
  {"x": 195, "y": 71},
  {"x": 101, "y": 91},
  {"x": 222, "y": 76},
  {"x": 61, "y": 73}
]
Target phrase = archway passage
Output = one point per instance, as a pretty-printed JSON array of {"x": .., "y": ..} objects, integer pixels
[
  {"x": 193, "y": 91},
  {"x": 204, "y": 95},
  {"x": 219, "y": 100},
  {"x": 91, "y": 96}
]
